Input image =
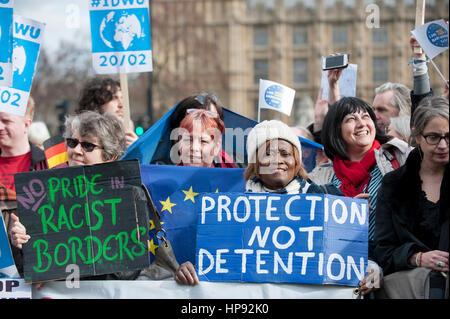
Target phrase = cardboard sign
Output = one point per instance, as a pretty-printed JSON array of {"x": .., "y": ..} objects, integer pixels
[
  {"x": 14, "y": 289},
  {"x": 6, "y": 42},
  {"x": 346, "y": 83},
  {"x": 89, "y": 216},
  {"x": 27, "y": 35},
  {"x": 305, "y": 238},
  {"x": 432, "y": 37},
  {"x": 120, "y": 33},
  {"x": 275, "y": 96}
]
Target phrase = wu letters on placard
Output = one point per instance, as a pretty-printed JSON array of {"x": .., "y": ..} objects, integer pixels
[{"x": 314, "y": 238}]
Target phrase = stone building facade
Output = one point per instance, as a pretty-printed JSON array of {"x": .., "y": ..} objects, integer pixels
[{"x": 225, "y": 46}]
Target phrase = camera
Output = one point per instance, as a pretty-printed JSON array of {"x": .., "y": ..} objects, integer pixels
[{"x": 335, "y": 62}]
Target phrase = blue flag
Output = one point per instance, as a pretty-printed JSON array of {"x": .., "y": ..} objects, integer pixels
[
  {"x": 175, "y": 191},
  {"x": 154, "y": 145},
  {"x": 7, "y": 266}
]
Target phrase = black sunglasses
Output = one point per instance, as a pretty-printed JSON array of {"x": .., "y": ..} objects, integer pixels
[{"x": 88, "y": 147}]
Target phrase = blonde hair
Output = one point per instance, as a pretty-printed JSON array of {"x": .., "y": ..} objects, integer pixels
[{"x": 29, "y": 113}]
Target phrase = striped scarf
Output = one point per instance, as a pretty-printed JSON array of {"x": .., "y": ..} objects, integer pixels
[{"x": 6, "y": 194}]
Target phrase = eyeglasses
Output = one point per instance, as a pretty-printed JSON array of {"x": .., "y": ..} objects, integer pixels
[
  {"x": 434, "y": 139},
  {"x": 88, "y": 147},
  {"x": 208, "y": 113}
]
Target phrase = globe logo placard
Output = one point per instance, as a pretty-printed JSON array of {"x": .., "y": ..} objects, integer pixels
[
  {"x": 119, "y": 29},
  {"x": 274, "y": 96},
  {"x": 437, "y": 35},
  {"x": 121, "y": 37}
]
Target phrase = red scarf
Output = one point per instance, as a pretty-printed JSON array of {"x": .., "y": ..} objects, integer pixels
[{"x": 355, "y": 176}]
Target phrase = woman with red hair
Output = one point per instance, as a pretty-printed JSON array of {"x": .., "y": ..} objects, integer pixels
[{"x": 200, "y": 141}]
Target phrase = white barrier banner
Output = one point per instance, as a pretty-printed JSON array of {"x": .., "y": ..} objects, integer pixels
[
  {"x": 169, "y": 289},
  {"x": 14, "y": 288}
]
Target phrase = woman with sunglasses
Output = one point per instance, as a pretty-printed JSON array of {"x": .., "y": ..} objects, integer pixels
[
  {"x": 411, "y": 231},
  {"x": 94, "y": 138}
]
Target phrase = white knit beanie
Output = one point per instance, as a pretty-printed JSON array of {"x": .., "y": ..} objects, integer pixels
[{"x": 269, "y": 130}]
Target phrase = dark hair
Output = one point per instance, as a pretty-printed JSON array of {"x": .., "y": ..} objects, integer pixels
[
  {"x": 331, "y": 135},
  {"x": 201, "y": 101},
  {"x": 97, "y": 92}
]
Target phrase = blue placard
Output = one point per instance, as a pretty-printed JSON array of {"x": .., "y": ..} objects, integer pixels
[
  {"x": 6, "y": 258},
  {"x": 305, "y": 238},
  {"x": 27, "y": 38},
  {"x": 6, "y": 42},
  {"x": 120, "y": 33}
]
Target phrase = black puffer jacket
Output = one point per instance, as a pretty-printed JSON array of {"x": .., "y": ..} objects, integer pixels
[{"x": 400, "y": 215}]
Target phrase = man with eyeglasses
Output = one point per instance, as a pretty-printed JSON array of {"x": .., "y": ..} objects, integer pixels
[{"x": 17, "y": 155}]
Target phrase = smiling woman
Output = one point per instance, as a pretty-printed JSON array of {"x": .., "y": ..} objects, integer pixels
[
  {"x": 275, "y": 162},
  {"x": 361, "y": 153}
]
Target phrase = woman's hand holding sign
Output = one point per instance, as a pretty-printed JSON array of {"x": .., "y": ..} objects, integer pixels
[
  {"x": 186, "y": 274},
  {"x": 18, "y": 233}
]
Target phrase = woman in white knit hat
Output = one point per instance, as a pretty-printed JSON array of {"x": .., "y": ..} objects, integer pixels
[
  {"x": 275, "y": 162},
  {"x": 275, "y": 165}
]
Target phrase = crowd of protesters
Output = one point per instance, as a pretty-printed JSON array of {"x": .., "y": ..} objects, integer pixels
[{"x": 393, "y": 152}]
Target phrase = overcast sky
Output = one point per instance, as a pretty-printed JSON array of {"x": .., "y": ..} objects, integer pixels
[{"x": 64, "y": 19}]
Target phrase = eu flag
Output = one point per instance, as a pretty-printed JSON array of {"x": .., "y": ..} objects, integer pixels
[
  {"x": 175, "y": 191},
  {"x": 154, "y": 145}
]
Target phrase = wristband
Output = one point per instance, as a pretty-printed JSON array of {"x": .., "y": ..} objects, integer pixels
[{"x": 417, "y": 259}]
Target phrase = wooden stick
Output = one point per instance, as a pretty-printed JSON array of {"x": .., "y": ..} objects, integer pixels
[
  {"x": 125, "y": 101},
  {"x": 420, "y": 19}
]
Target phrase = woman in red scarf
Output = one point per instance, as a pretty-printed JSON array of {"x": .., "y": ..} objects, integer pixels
[{"x": 361, "y": 153}]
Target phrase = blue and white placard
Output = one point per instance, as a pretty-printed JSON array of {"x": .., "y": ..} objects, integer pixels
[
  {"x": 7, "y": 267},
  {"x": 275, "y": 96},
  {"x": 304, "y": 238},
  {"x": 432, "y": 37},
  {"x": 27, "y": 40},
  {"x": 6, "y": 41},
  {"x": 120, "y": 33}
]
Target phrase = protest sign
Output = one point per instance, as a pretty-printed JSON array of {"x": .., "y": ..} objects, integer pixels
[
  {"x": 120, "y": 32},
  {"x": 346, "y": 83},
  {"x": 89, "y": 216},
  {"x": 432, "y": 37},
  {"x": 14, "y": 289},
  {"x": 275, "y": 96},
  {"x": 6, "y": 42},
  {"x": 7, "y": 267},
  {"x": 27, "y": 37},
  {"x": 305, "y": 238}
]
